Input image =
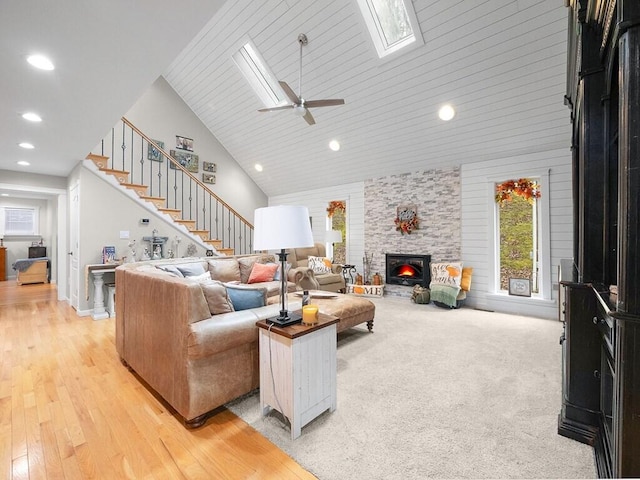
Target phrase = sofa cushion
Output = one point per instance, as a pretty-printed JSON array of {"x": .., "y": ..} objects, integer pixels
[
  {"x": 225, "y": 270},
  {"x": 262, "y": 272},
  {"x": 244, "y": 298},
  {"x": 217, "y": 297},
  {"x": 190, "y": 269},
  {"x": 246, "y": 264},
  {"x": 319, "y": 265}
]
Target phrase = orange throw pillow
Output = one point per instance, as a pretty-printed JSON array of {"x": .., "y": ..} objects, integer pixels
[{"x": 262, "y": 272}]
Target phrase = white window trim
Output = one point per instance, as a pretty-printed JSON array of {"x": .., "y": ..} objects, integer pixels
[
  {"x": 403, "y": 46},
  {"x": 544, "y": 222}
]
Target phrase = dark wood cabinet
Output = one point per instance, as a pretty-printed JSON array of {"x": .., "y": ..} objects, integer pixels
[
  {"x": 601, "y": 303},
  {"x": 3, "y": 264}
]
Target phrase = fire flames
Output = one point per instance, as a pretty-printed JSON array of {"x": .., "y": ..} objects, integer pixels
[{"x": 407, "y": 271}]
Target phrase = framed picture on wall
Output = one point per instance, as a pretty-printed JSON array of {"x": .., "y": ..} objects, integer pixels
[
  {"x": 208, "y": 178},
  {"x": 187, "y": 160},
  {"x": 184, "y": 143},
  {"x": 520, "y": 287},
  {"x": 153, "y": 153},
  {"x": 209, "y": 167}
]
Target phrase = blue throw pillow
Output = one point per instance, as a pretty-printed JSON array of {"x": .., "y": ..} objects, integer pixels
[{"x": 246, "y": 298}]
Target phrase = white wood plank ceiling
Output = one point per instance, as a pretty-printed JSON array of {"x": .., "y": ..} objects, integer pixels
[{"x": 501, "y": 63}]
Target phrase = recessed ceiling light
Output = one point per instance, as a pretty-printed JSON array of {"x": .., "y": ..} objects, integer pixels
[
  {"x": 26, "y": 145},
  {"x": 24, "y": 163},
  {"x": 334, "y": 145},
  {"x": 4, "y": 194},
  {"x": 32, "y": 117},
  {"x": 258, "y": 167},
  {"x": 40, "y": 61},
  {"x": 446, "y": 112}
]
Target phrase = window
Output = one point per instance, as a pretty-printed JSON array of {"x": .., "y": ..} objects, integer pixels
[
  {"x": 521, "y": 233},
  {"x": 519, "y": 249},
  {"x": 20, "y": 221},
  {"x": 393, "y": 24},
  {"x": 260, "y": 78}
]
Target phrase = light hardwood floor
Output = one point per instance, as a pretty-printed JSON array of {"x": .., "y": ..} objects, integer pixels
[{"x": 70, "y": 410}]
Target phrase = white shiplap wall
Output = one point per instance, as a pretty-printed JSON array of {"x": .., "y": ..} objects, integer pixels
[
  {"x": 318, "y": 200},
  {"x": 477, "y": 209}
]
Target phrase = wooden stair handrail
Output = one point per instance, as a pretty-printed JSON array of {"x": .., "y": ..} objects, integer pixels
[{"x": 177, "y": 165}]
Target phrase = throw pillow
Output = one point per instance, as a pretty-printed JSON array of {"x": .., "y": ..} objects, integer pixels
[
  {"x": 246, "y": 264},
  {"x": 225, "y": 270},
  {"x": 262, "y": 272},
  {"x": 172, "y": 269},
  {"x": 243, "y": 298},
  {"x": 446, "y": 273},
  {"x": 320, "y": 265},
  {"x": 203, "y": 278},
  {"x": 190, "y": 269},
  {"x": 217, "y": 298},
  {"x": 465, "y": 281}
]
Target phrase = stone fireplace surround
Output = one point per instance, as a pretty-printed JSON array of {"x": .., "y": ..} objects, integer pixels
[{"x": 436, "y": 193}]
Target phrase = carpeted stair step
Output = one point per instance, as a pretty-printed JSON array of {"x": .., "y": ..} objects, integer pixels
[
  {"x": 157, "y": 201},
  {"x": 100, "y": 160},
  {"x": 141, "y": 190},
  {"x": 174, "y": 213}
]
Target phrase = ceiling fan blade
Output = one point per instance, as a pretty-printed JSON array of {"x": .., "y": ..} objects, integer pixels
[
  {"x": 323, "y": 103},
  {"x": 290, "y": 93},
  {"x": 309, "y": 118},
  {"x": 273, "y": 109}
]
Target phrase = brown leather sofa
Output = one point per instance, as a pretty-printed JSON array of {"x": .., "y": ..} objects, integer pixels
[
  {"x": 194, "y": 360},
  {"x": 332, "y": 282}
]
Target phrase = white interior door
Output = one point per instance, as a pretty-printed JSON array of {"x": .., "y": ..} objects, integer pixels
[{"x": 74, "y": 235}]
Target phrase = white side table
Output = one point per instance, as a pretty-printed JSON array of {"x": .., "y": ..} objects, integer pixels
[{"x": 298, "y": 370}]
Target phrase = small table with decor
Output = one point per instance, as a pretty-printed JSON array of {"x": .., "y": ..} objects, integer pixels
[{"x": 298, "y": 370}]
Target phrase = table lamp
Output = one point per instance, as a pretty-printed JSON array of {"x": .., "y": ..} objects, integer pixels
[{"x": 281, "y": 227}]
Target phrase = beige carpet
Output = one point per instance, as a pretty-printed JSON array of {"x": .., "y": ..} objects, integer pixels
[{"x": 434, "y": 393}]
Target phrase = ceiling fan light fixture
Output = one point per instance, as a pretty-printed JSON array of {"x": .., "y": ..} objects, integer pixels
[
  {"x": 299, "y": 110},
  {"x": 446, "y": 112}
]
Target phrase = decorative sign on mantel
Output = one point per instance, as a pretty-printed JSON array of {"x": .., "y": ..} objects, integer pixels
[{"x": 407, "y": 219}]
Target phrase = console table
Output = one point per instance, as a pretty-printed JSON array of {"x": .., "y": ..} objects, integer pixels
[
  {"x": 298, "y": 370},
  {"x": 96, "y": 272}
]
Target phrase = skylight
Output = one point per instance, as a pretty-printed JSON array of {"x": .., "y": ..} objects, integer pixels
[
  {"x": 393, "y": 24},
  {"x": 255, "y": 70}
]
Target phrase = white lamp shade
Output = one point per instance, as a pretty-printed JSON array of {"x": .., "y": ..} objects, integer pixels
[
  {"x": 284, "y": 226},
  {"x": 334, "y": 236}
]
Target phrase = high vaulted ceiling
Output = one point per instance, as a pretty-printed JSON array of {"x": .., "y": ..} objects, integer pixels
[{"x": 500, "y": 63}]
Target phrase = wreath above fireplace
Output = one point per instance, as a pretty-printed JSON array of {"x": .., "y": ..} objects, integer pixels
[{"x": 407, "y": 219}]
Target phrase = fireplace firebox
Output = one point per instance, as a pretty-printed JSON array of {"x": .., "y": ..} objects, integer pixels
[{"x": 408, "y": 270}]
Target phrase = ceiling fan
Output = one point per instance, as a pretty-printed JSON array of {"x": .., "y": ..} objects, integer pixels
[{"x": 299, "y": 105}]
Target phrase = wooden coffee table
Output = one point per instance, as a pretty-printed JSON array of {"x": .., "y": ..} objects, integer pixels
[{"x": 298, "y": 370}]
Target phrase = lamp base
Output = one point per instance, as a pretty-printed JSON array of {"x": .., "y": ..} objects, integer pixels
[{"x": 290, "y": 319}]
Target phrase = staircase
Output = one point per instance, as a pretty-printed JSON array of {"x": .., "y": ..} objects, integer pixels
[{"x": 172, "y": 189}]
